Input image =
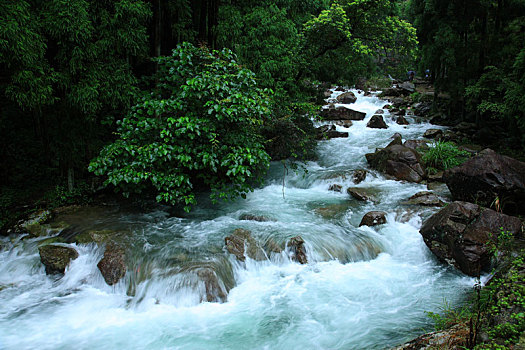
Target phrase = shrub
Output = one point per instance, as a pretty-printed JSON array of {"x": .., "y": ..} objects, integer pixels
[{"x": 443, "y": 155}]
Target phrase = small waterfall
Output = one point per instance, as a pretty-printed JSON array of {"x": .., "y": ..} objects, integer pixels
[{"x": 362, "y": 288}]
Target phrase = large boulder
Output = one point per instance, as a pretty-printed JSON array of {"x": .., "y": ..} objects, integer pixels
[
  {"x": 112, "y": 265},
  {"x": 399, "y": 161},
  {"x": 56, "y": 257},
  {"x": 341, "y": 113},
  {"x": 459, "y": 235},
  {"x": 373, "y": 218},
  {"x": 241, "y": 244},
  {"x": 377, "y": 122},
  {"x": 489, "y": 179},
  {"x": 296, "y": 246},
  {"x": 361, "y": 194},
  {"x": 346, "y": 98},
  {"x": 215, "y": 290}
]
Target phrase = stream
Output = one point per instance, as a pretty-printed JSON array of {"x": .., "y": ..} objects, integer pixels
[{"x": 362, "y": 288}]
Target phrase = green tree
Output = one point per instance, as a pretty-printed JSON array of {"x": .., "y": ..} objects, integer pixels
[{"x": 197, "y": 129}]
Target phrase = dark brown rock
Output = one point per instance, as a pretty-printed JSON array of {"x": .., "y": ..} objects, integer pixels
[
  {"x": 346, "y": 97},
  {"x": 341, "y": 113},
  {"x": 361, "y": 194},
  {"x": 458, "y": 234},
  {"x": 416, "y": 144},
  {"x": 112, "y": 266},
  {"x": 399, "y": 161},
  {"x": 387, "y": 106},
  {"x": 325, "y": 132},
  {"x": 296, "y": 245},
  {"x": 379, "y": 111},
  {"x": 252, "y": 217},
  {"x": 425, "y": 198},
  {"x": 373, "y": 218},
  {"x": 241, "y": 239},
  {"x": 344, "y": 123},
  {"x": 433, "y": 133},
  {"x": 402, "y": 120},
  {"x": 489, "y": 179},
  {"x": 359, "y": 175},
  {"x": 56, "y": 257},
  {"x": 340, "y": 88},
  {"x": 397, "y": 140},
  {"x": 377, "y": 122},
  {"x": 335, "y": 188}
]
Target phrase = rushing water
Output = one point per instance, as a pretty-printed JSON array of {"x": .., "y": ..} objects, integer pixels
[{"x": 363, "y": 288}]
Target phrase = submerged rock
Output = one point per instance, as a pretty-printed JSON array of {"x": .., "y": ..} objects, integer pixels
[
  {"x": 401, "y": 120},
  {"x": 459, "y": 234},
  {"x": 487, "y": 179},
  {"x": 341, "y": 113},
  {"x": 112, "y": 265},
  {"x": 56, "y": 257},
  {"x": 215, "y": 291},
  {"x": 377, "y": 122},
  {"x": 329, "y": 132},
  {"x": 373, "y": 218},
  {"x": 361, "y": 194},
  {"x": 335, "y": 188},
  {"x": 332, "y": 210},
  {"x": 240, "y": 243},
  {"x": 251, "y": 217},
  {"x": 296, "y": 245}
]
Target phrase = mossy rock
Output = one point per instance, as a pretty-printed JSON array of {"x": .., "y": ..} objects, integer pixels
[{"x": 56, "y": 257}]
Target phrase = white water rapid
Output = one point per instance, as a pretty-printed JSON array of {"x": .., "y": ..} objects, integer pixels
[{"x": 363, "y": 287}]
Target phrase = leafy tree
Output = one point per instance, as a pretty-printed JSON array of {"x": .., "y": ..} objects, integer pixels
[{"x": 198, "y": 127}]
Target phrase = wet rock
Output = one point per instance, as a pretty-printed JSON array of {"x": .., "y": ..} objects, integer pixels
[
  {"x": 425, "y": 198},
  {"x": 340, "y": 88},
  {"x": 402, "y": 120},
  {"x": 251, "y": 217},
  {"x": 333, "y": 210},
  {"x": 433, "y": 133},
  {"x": 423, "y": 109},
  {"x": 327, "y": 93},
  {"x": 458, "y": 234},
  {"x": 344, "y": 123},
  {"x": 399, "y": 161},
  {"x": 387, "y": 106},
  {"x": 335, "y": 188},
  {"x": 241, "y": 242},
  {"x": 416, "y": 144},
  {"x": 373, "y": 218},
  {"x": 34, "y": 224},
  {"x": 377, "y": 122},
  {"x": 361, "y": 194},
  {"x": 341, "y": 113},
  {"x": 397, "y": 140},
  {"x": 272, "y": 247},
  {"x": 398, "y": 112},
  {"x": 359, "y": 175},
  {"x": 451, "y": 338},
  {"x": 329, "y": 132},
  {"x": 489, "y": 179},
  {"x": 296, "y": 246},
  {"x": 379, "y": 111},
  {"x": 215, "y": 291},
  {"x": 56, "y": 257},
  {"x": 436, "y": 177},
  {"x": 112, "y": 265},
  {"x": 391, "y": 92},
  {"x": 346, "y": 98}
]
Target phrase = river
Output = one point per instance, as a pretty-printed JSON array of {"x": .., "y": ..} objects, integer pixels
[{"x": 363, "y": 287}]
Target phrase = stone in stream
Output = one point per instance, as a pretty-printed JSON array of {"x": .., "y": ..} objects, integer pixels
[
  {"x": 416, "y": 144},
  {"x": 379, "y": 111},
  {"x": 459, "y": 235},
  {"x": 335, "y": 188},
  {"x": 340, "y": 88},
  {"x": 34, "y": 224},
  {"x": 112, "y": 265},
  {"x": 399, "y": 161},
  {"x": 344, "y": 123},
  {"x": 433, "y": 133},
  {"x": 329, "y": 132},
  {"x": 361, "y": 194},
  {"x": 373, "y": 218},
  {"x": 333, "y": 210},
  {"x": 241, "y": 239},
  {"x": 56, "y": 257},
  {"x": 341, "y": 113},
  {"x": 487, "y": 179},
  {"x": 397, "y": 140},
  {"x": 346, "y": 98},
  {"x": 401, "y": 120},
  {"x": 215, "y": 291},
  {"x": 359, "y": 175},
  {"x": 296, "y": 246},
  {"x": 425, "y": 198},
  {"x": 377, "y": 122},
  {"x": 251, "y": 217}
]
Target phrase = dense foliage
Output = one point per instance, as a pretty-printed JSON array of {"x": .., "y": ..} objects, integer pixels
[{"x": 199, "y": 125}]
